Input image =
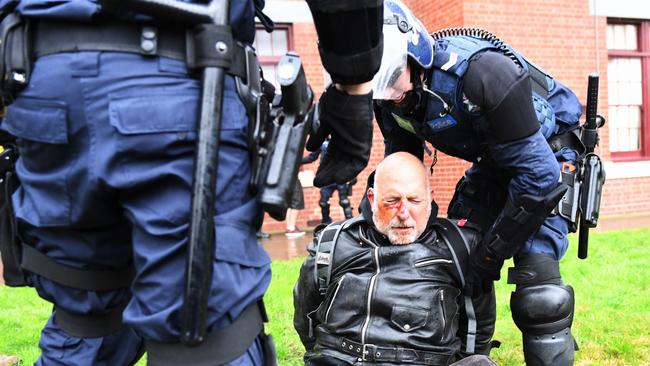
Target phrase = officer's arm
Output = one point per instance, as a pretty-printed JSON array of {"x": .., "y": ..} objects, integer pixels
[
  {"x": 396, "y": 138},
  {"x": 516, "y": 145},
  {"x": 503, "y": 90},
  {"x": 306, "y": 299}
]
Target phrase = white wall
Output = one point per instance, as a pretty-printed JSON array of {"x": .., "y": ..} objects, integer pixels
[{"x": 637, "y": 9}]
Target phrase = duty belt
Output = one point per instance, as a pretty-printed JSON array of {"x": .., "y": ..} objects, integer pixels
[
  {"x": 374, "y": 353},
  {"x": 50, "y": 37}
]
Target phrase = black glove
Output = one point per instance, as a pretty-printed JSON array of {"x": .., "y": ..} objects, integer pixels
[
  {"x": 348, "y": 119},
  {"x": 484, "y": 269}
]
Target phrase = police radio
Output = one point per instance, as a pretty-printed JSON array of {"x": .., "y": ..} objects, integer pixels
[
  {"x": 592, "y": 172},
  {"x": 287, "y": 137}
]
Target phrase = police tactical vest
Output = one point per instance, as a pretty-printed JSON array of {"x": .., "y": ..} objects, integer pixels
[{"x": 459, "y": 128}]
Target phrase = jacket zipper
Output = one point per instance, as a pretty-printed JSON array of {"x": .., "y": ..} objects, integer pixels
[
  {"x": 444, "y": 316},
  {"x": 336, "y": 292},
  {"x": 432, "y": 261},
  {"x": 364, "y": 329}
]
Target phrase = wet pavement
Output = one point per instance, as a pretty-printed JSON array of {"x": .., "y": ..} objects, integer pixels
[{"x": 280, "y": 247}]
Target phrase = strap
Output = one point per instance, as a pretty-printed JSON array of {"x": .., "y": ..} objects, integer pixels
[
  {"x": 460, "y": 251},
  {"x": 470, "y": 342},
  {"x": 52, "y": 37},
  {"x": 90, "y": 325},
  {"x": 85, "y": 279},
  {"x": 375, "y": 353},
  {"x": 458, "y": 246},
  {"x": 538, "y": 79},
  {"x": 570, "y": 139},
  {"x": 535, "y": 269},
  {"x": 219, "y": 347},
  {"x": 325, "y": 251}
]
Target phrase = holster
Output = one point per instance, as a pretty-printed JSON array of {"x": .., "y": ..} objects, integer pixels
[
  {"x": 288, "y": 134},
  {"x": 15, "y": 56}
]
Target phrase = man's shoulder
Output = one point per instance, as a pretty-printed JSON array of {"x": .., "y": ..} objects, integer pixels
[
  {"x": 328, "y": 232},
  {"x": 457, "y": 232}
]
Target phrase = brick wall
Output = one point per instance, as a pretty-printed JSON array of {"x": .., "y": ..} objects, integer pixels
[{"x": 559, "y": 36}]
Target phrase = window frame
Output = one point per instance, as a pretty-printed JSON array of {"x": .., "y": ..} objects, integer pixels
[
  {"x": 273, "y": 60},
  {"x": 642, "y": 52}
]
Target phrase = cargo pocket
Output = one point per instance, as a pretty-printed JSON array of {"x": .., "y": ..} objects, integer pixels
[
  {"x": 159, "y": 113},
  {"x": 407, "y": 318},
  {"x": 41, "y": 130}
]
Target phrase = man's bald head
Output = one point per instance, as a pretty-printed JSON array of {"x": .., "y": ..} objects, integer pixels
[{"x": 400, "y": 198}]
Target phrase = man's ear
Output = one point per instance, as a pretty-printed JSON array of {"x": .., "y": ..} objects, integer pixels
[{"x": 371, "y": 196}]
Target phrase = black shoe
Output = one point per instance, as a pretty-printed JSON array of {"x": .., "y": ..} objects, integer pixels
[{"x": 262, "y": 235}]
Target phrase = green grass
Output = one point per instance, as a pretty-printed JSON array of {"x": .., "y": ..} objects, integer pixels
[{"x": 611, "y": 325}]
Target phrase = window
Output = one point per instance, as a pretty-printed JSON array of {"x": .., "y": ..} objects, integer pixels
[
  {"x": 628, "y": 46},
  {"x": 271, "y": 47}
]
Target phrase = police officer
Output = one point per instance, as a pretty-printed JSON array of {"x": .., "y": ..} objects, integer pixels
[
  {"x": 107, "y": 148},
  {"x": 326, "y": 192},
  {"x": 106, "y": 129},
  {"x": 473, "y": 97}
]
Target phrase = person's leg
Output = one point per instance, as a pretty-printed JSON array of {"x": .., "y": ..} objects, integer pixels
[
  {"x": 297, "y": 203},
  {"x": 325, "y": 195},
  {"x": 65, "y": 212},
  {"x": 152, "y": 169},
  {"x": 344, "y": 201},
  {"x": 542, "y": 305},
  {"x": 292, "y": 230},
  {"x": 292, "y": 217}
]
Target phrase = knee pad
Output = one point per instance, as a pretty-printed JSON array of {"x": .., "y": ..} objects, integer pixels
[
  {"x": 544, "y": 314},
  {"x": 542, "y": 309}
]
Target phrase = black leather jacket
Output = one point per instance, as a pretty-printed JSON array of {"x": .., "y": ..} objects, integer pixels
[{"x": 403, "y": 302}]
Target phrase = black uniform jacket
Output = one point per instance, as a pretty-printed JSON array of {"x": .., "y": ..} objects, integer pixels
[{"x": 387, "y": 297}]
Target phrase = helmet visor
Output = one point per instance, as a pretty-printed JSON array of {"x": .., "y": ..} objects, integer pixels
[{"x": 392, "y": 80}]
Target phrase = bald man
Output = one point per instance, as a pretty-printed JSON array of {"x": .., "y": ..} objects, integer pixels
[{"x": 385, "y": 287}]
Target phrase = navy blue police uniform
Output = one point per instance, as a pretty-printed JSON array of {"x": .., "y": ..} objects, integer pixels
[
  {"x": 107, "y": 144},
  {"x": 478, "y": 103}
]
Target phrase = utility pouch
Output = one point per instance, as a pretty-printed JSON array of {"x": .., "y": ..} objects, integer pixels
[
  {"x": 568, "y": 206},
  {"x": 15, "y": 56},
  {"x": 10, "y": 246}
]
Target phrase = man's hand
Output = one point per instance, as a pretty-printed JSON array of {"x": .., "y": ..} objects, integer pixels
[
  {"x": 484, "y": 269},
  {"x": 348, "y": 119}
]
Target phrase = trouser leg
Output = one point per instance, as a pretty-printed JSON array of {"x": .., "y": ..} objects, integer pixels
[
  {"x": 325, "y": 194},
  {"x": 60, "y": 214},
  {"x": 344, "y": 201},
  {"x": 58, "y": 348}
]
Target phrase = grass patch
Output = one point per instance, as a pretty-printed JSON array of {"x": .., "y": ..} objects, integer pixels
[{"x": 611, "y": 325}]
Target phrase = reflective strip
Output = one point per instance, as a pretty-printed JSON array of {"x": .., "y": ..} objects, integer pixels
[{"x": 433, "y": 261}]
